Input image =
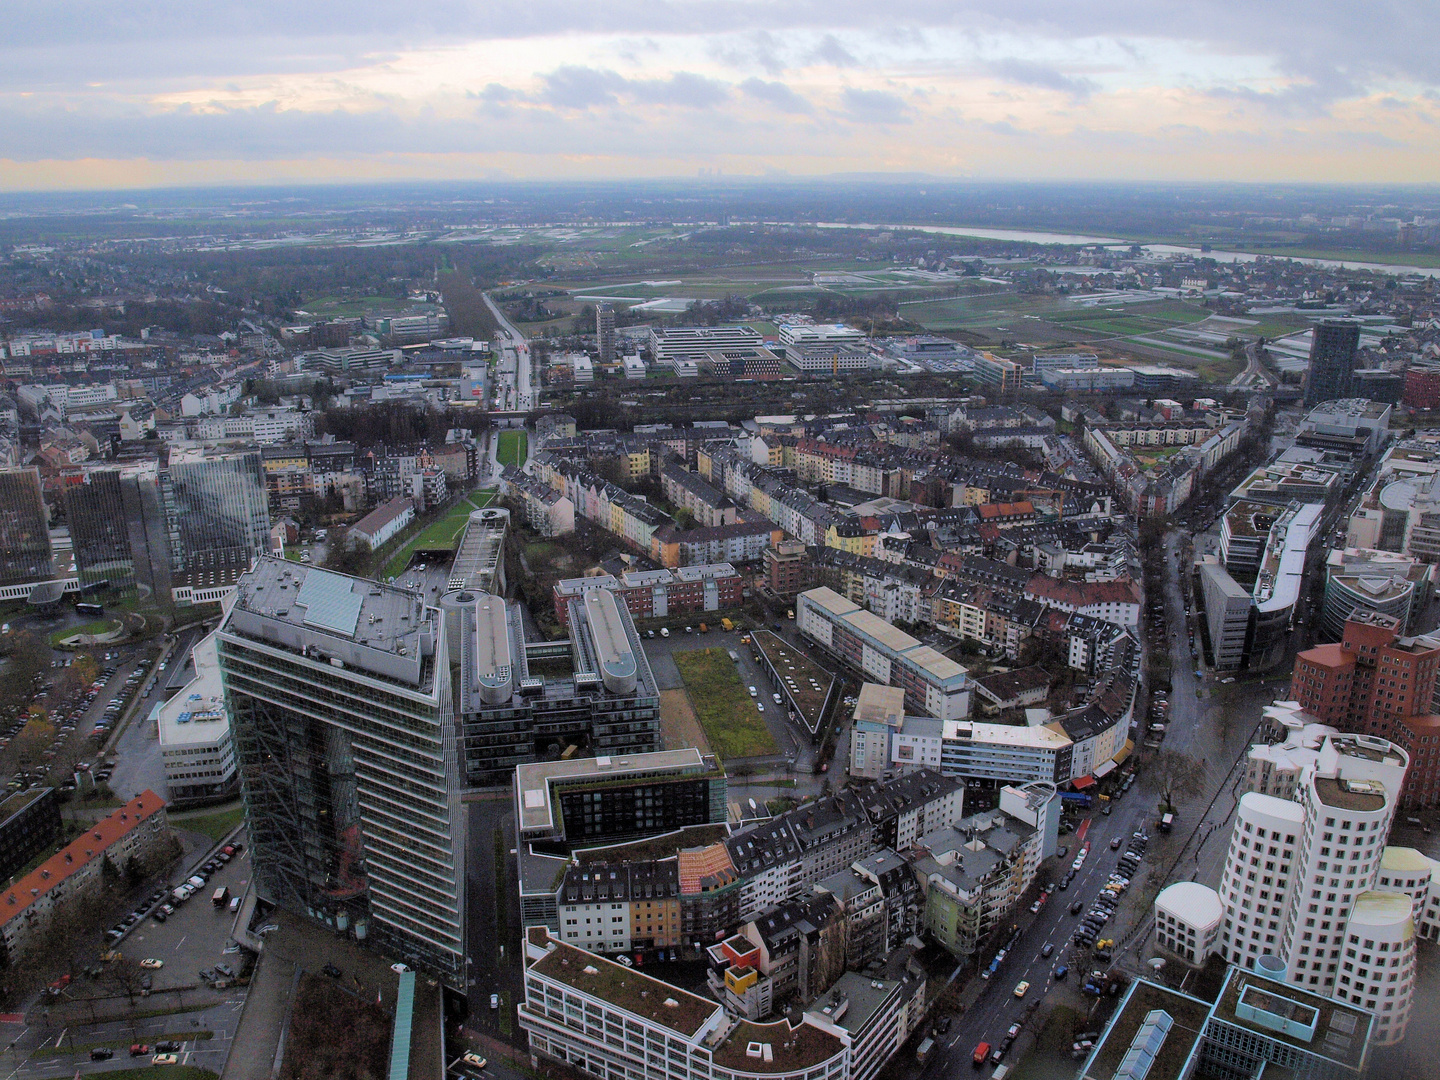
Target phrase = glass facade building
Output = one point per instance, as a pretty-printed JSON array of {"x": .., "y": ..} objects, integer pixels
[
  {"x": 216, "y": 515},
  {"x": 25, "y": 554},
  {"x": 172, "y": 532},
  {"x": 340, "y": 702}
]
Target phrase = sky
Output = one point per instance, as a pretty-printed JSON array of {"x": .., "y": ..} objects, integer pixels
[{"x": 192, "y": 92}]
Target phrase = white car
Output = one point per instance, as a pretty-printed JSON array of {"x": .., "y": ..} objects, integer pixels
[
  {"x": 399, "y": 969},
  {"x": 472, "y": 1058},
  {"x": 760, "y": 705},
  {"x": 152, "y": 964},
  {"x": 754, "y": 692}
]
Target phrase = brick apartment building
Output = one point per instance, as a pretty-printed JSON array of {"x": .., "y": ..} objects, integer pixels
[
  {"x": 652, "y": 594},
  {"x": 1377, "y": 682}
]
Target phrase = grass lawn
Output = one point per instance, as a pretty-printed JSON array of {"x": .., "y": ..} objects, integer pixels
[
  {"x": 171, "y": 1072},
  {"x": 725, "y": 710},
  {"x": 214, "y": 826},
  {"x": 511, "y": 450},
  {"x": 441, "y": 533},
  {"x": 96, "y": 626}
]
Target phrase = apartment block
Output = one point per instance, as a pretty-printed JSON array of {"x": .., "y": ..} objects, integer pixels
[{"x": 651, "y": 594}]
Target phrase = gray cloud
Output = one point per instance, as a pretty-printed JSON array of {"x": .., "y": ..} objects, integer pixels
[
  {"x": 831, "y": 52},
  {"x": 777, "y": 95},
  {"x": 1029, "y": 73},
  {"x": 581, "y": 87},
  {"x": 573, "y": 87},
  {"x": 874, "y": 106}
]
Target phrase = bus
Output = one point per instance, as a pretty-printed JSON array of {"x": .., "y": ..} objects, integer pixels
[{"x": 89, "y": 609}]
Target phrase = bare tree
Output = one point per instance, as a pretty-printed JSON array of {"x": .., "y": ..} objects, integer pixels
[
  {"x": 1180, "y": 776},
  {"x": 125, "y": 974}
]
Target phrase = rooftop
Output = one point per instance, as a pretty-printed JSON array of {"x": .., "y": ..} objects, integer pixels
[
  {"x": 196, "y": 714},
  {"x": 625, "y": 988},
  {"x": 1342, "y": 1033},
  {"x": 76, "y": 854},
  {"x": 533, "y": 780},
  {"x": 1187, "y": 1013},
  {"x": 376, "y": 628},
  {"x": 790, "y": 1049},
  {"x": 478, "y": 554}
]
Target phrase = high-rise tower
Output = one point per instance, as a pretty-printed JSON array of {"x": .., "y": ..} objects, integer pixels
[
  {"x": 605, "y": 331},
  {"x": 1332, "y": 360}
]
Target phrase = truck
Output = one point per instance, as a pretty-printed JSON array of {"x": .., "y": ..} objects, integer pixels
[
  {"x": 982, "y": 1052},
  {"x": 922, "y": 1052},
  {"x": 219, "y": 896},
  {"x": 1167, "y": 822},
  {"x": 727, "y": 625},
  {"x": 180, "y": 894},
  {"x": 1078, "y": 797}
]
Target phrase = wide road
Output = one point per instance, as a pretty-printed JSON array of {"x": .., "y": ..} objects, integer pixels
[{"x": 514, "y": 367}]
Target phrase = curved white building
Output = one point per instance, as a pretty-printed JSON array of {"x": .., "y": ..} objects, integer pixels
[
  {"x": 1378, "y": 968},
  {"x": 1255, "y": 885},
  {"x": 1187, "y": 921}
]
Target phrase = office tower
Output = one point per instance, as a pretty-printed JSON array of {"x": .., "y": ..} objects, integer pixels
[
  {"x": 217, "y": 514},
  {"x": 1300, "y": 881},
  {"x": 339, "y": 691},
  {"x": 1332, "y": 359},
  {"x": 596, "y": 692},
  {"x": 25, "y": 555},
  {"x": 117, "y": 527},
  {"x": 605, "y": 332}
]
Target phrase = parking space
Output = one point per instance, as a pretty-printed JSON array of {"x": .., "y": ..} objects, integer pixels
[{"x": 195, "y": 936}]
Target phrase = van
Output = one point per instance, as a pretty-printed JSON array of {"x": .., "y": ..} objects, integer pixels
[
  {"x": 234, "y": 904},
  {"x": 219, "y": 896}
]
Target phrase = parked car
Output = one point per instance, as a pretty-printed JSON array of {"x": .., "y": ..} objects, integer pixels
[
  {"x": 165, "y": 1059},
  {"x": 494, "y": 1001},
  {"x": 473, "y": 1059}
]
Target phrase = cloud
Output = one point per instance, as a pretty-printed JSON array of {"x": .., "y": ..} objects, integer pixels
[
  {"x": 585, "y": 88},
  {"x": 683, "y": 88},
  {"x": 777, "y": 95},
  {"x": 831, "y": 52},
  {"x": 580, "y": 87},
  {"x": 874, "y": 106},
  {"x": 1028, "y": 73}
]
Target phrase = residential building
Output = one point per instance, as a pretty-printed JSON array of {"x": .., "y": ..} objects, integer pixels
[
  {"x": 196, "y": 745},
  {"x": 585, "y": 802},
  {"x": 879, "y": 711},
  {"x": 1006, "y": 753},
  {"x": 645, "y": 1028},
  {"x": 383, "y": 523},
  {"x": 323, "y": 675},
  {"x": 135, "y": 836},
  {"x": 1379, "y": 582},
  {"x": 1333, "y": 344},
  {"x": 605, "y": 332},
  {"x": 787, "y": 569},
  {"x": 933, "y": 683},
  {"x": 617, "y": 907},
  {"x": 657, "y": 594},
  {"x": 29, "y": 823}
]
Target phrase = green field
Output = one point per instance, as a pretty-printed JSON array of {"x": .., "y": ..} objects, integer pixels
[
  {"x": 443, "y": 533},
  {"x": 97, "y": 626},
  {"x": 733, "y": 725},
  {"x": 215, "y": 826},
  {"x": 511, "y": 448}
]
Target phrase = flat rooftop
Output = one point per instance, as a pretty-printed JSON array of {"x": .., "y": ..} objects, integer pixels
[
  {"x": 477, "y": 558},
  {"x": 623, "y": 987},
  {"x": 533, "y": 780},
  {"x": 792, "y": 1049},
  {"x": 1342, "y": 1033},
  {"x": 196, "y": 714},
  {"x": 378, "y": 629},
  {"x": 1360, "y": 795},
  {"x": 1187, "y": 1013}
]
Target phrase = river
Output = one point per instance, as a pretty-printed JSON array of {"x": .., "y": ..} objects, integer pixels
[{"x": 1033, "y": 237}]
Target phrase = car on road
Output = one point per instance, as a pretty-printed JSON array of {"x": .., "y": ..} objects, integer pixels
[
  {"x": 754, "y": 692},
  {"x": 1047, "y": 950},
  {"x": 1061, "y": 971},
  {"x": 152, "y": 964},
  {"x": 168, "y": 1045},
  {"x": 495, "y": 1001},
  {"x": 101, "y": 1053},
  {"x": 1077, "y": 907},
  {"x": 624, "y": 959},
  {"x": 664, "y": 631},
  {"x": 1014, "y": 1031},
  {"x": 1021, "y": 989},
  {"x": 760, "y": 705},
  {"x": 165, "y": 1059},
  {"x": 140, "y": 1050},
  {"x": 473, "y": 1059}
]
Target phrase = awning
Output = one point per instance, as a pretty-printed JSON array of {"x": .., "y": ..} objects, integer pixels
[
  {"x": 1105, "y": 769},
  {"x": 1082, "y": 782},
  {"x": 1129, "y": 748}
]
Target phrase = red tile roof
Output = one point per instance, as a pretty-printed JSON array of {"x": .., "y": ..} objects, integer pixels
[{"x": 78, "y": 853}]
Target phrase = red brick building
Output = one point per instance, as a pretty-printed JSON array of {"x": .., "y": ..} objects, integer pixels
[
  {"x": 659, "y": 593},
  {"x": 1378, "y": 683},
  {"x": 1422, "y": 388}
]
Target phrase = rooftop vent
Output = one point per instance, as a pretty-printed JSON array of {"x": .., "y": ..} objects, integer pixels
[{"x": 591, "y": 969}]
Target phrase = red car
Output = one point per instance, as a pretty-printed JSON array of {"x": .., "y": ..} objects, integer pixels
[{"x": 139, "y": 1050}]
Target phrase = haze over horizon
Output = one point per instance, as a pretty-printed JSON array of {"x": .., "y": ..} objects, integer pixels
[{"x": 95, "y": 96}]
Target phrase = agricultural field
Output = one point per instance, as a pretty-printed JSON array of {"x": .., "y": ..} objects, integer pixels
[{"x": 727, "y": 713}]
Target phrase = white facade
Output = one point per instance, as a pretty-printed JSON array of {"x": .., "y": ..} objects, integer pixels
[
  {"x": 1187, "y": 921},
  {"x": 598, "y": 927},
  {"x": 1255, "y": 884},
  {"x": 194, "y": 733},
  {"x": 1378, "y": 968}
]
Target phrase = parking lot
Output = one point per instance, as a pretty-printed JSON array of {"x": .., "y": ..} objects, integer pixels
[{"x": 196, "y": 937}]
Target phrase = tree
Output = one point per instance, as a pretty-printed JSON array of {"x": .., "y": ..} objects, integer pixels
[
  {"x": 348, "y": 556},
  {"x": 125, "y": 973},
  {"x": 1180, "y": 776}
]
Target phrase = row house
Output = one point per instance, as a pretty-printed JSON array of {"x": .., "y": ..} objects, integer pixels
[
  {"x": 660, "y": 593},
  {"x": 690, "y": 491},
  {"x": 742, "y": 542}
]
